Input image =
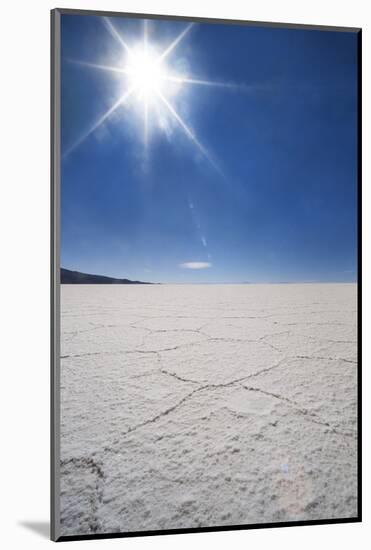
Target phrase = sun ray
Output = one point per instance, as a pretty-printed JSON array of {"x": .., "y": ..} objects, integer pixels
[
  {"x": 189, "y": 132},
  {"x": 145, "y": 34},
  {"x": 145, "y": 113},
  {"x": 185, "y": 80},
  {"x": 99, "y": 122},
  {"x": 171, "y": 78},
  {"x": 89, "y": 65},
  {"x": 146, "y": 126},
  {"x": 112, "y": 29},
  {"x": 175, "y": 42}
]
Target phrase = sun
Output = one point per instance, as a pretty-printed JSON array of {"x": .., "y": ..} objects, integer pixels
[{"x": 145, "y": 73}]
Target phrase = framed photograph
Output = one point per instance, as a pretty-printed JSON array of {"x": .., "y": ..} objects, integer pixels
[{"x": 206, "y": 274}]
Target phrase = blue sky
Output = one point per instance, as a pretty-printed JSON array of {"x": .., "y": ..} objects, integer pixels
[{"x": 253, "y": 179}]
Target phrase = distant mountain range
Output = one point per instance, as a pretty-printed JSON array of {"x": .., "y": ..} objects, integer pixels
[{"x": 76, "y": 278}]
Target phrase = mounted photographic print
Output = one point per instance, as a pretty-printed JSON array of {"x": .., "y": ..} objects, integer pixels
[{"x": 205, "y": 274}]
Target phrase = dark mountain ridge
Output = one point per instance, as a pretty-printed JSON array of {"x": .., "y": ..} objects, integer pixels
[{"x": 69, "y": 277}]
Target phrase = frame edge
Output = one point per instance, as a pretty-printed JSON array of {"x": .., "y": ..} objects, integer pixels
[{"x": 54, "y": 272}]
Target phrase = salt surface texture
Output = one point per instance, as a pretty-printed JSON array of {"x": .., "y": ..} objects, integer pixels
[{"x": 207, "y": 405}]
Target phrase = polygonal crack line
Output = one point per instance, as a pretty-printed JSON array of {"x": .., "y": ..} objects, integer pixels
[
  {"x": 306, "y": 336},
  {"x": 329, "y": 340},
  {"x": 208, "y": 338},
  {"x": 203, "y": 386},
  {"x": 85, "y": 462},
  {"x": 318, "y": 323},
  {"x": 162, "y": 350},
  {"x": 150, "y": 332},
  {"x": 189, "y": 344},
  {"x": 143, "y": 320},
  {"x": 188, "y": 396},
  {"x": 147, "y": 332},
  {"x": 109, "y": 353},
  {"x": 265, "y": 337},
  {"x": 96, "y": 468},
  {"x": 73, "y": 333},
  {"x": 307, "y": 414},
  {"x": 180, "y": 378},
  {"x": 318, "y": 358}
]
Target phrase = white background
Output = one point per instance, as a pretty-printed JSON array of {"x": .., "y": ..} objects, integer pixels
[{"x": 24, "y": 257}]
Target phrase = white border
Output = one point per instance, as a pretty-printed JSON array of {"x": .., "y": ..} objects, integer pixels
[{"x": 25, "y": 70}]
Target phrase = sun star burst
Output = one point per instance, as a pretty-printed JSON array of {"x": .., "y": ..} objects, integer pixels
[{"x": 148, "y": 79}]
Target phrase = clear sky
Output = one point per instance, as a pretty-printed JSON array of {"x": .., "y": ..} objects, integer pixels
[{"x": 228, "y": 155}]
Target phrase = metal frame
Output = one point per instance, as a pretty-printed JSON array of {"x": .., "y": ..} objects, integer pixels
[
  {"x": 55, "y": 272},
  {"x": 55, "y": 276}
]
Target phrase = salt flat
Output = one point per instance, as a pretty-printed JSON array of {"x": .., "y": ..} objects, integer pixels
[{"x": 205, "y": 405}]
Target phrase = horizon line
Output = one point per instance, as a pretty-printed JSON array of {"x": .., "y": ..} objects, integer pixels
[{"x": 293, "y": 282}]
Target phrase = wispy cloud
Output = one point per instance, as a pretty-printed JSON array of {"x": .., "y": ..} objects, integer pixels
[{"x": 196, "y": 265}]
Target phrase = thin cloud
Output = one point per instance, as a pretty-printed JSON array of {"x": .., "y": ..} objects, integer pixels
[{"x": 196, "y": 265}]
